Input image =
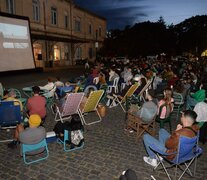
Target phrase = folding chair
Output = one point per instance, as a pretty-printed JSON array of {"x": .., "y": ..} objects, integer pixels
[
  {"x": 67, "y": 147},
  {"x": 128, "y": 94},
  {"x": 178, "y": 103},
  {"x": 91, "y": 105},
  {"x": 187, "y": 152},
  {"x": 10, "y": 115},
  {"x": 31, "y": 148},
  {"x": 140, "y": 126},
  {"x": 19, "y": 96},
  {"x": 1, "y": 91},
  {"x": 115, "y": 86},
  {"x": 141, "y": 95},
  {"x": 71, "y": 107}
]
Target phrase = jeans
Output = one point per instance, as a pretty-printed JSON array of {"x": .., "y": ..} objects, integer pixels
[{"x": 148, "y": 140}]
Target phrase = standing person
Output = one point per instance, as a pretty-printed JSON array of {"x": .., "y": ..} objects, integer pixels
[
  {"x": 37, "y": 104},
  {"x": 169, "y": 143}
]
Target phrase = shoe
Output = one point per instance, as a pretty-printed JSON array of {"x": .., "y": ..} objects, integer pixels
[
  {"x": 13, "y": 144},
  {"x": 108, "y": 102},
  {"x": 150, "y": 161},
  {"x": 161, "y": 158}
]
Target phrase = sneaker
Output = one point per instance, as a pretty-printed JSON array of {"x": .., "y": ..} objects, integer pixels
[
  {"x": 114, "y": 104},
  {"x": 108, "y": 102},
  {"x": 150, "y": 161},
  {"x": 161, "y": 158}
]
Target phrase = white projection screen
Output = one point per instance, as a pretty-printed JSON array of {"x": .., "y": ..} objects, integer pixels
[{"x": 15, "y": 45}]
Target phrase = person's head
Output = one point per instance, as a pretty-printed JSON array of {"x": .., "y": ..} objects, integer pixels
[
  {"x": 49, "y": 79},
  {"x": 143, "y": 81},
  {"x": 188, "y": 118},
  {"x": 12, "y": 93},
  {"x": 150, "y": 94},
  {"x": 6, "y": 93},
  {"x": 34, "y": 120},
  {"x": 167, "y": 95},
  {"x": 36, "y": 89}
]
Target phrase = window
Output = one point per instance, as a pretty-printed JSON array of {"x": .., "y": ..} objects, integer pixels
[
  {"x": 54, "y": 16},
  {"x": 99, "y": 31},
  {"x": 10, "y": 6},
  {"x": 90, "y": 29},
  {"x": 36, "y": 10},
  {"x": 79, "y": 53},
  {"x": 77, "y": 25},
  {"x": 66, "y": 21},
  {"x": 90, "y": 53}
]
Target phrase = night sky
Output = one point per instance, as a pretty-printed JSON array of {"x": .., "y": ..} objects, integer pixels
[{"x": 120, "y": 13}]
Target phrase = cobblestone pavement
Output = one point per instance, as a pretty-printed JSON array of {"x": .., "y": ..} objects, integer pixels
[{"x": 107, "y": 152}]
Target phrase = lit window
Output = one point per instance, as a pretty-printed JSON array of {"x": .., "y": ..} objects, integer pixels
[
  {"x": 36, "y": 10},
  {"x": 10, "y": 6},
  {"x": 77, "y": 25},
  {"x": 54, "y": 16}
]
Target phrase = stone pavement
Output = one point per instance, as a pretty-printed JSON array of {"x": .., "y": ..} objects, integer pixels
[{"x": 107, "y": 152}]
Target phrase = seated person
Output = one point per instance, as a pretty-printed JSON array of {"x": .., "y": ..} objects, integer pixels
[
  {"x": 37, "y": 104},
  {"x": 12, "y": 97},
  {"x": 31, "y": 135},
  {"x": 148, "y": 109},
  {"x": 169, "y": 143},
  {"x": 168, "y": 101},
  {"x": 198, "y": 96},
  {"x": 58, "y": 83},
  {"x": 49, "y": 86}
]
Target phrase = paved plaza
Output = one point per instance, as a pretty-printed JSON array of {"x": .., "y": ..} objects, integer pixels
[{"x": 107, "y": 152}]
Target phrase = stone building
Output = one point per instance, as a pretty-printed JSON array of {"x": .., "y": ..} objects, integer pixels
[{"x": 61, "y": 31}]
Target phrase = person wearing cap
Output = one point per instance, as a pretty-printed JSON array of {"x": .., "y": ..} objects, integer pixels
[
  {"x": 169, "y": 142},
  {"x": 12, "y": 97},
  {"x": 31, "y": 135},
  {"x": 37, "y": 104}
]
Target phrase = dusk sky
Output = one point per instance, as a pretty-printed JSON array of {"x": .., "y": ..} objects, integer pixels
[{"x": 120, "y": 13}]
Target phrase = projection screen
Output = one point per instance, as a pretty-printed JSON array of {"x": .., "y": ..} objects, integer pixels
[{"x": 15, "y": 45}]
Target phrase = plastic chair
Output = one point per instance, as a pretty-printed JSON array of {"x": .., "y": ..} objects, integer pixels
[
  {"x": 19, "y": 96},
  {"x": 67, "y": 147},
  {"x": 115, "y": 86},
  {"x": 50, "y": 97},
  {"x": 70, "y": 107},
  {"x": 1, "y": 91},
  {"x": 167, "y": 118},
  {"x": 178, "y": 102},
  {"x": 91, "y": 105},
  {"x": 123, "y": 99},
  {"x": 187, "y": 152},
  {"x": 10, "y": 114},
  {"x": 28, "y": 148}
]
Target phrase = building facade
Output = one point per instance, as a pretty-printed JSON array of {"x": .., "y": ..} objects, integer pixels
[{"x": 61, "y": 31}]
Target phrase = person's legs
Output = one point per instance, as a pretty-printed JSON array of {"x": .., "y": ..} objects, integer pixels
[
  {"x": 19, "y": 129},
  {"x": 163, "y": 135},
  {"x": 148, "y": 140}
]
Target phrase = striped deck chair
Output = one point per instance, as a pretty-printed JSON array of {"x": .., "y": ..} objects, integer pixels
[
  {"x": 141, "y": 95},
  {"x": 129, "y": 93},
  {"x": 91, "y": 105},
  {"x": 71, "y": 107}
]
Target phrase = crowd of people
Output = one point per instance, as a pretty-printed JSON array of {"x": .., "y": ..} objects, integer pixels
[{"x": 184, "y": 77}]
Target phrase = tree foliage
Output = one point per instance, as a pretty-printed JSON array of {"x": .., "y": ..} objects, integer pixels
[{"x": 150, "y": 38}]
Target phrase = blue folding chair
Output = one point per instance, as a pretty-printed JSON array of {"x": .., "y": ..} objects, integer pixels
[
  {"x": 67, "y": 147},
  {"x": 188, "y": 151},
  {"x": 10, "y": 114},
  {"x": 27, "y": 149}
]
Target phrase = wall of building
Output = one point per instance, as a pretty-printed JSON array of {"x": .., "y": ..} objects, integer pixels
[{"x": 92, "y": 30}]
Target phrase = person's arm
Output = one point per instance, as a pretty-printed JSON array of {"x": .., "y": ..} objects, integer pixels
[{"x": 172, "y": 142}]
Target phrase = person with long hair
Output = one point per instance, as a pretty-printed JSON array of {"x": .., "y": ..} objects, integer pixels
[{"x": 168, "y": 101}]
